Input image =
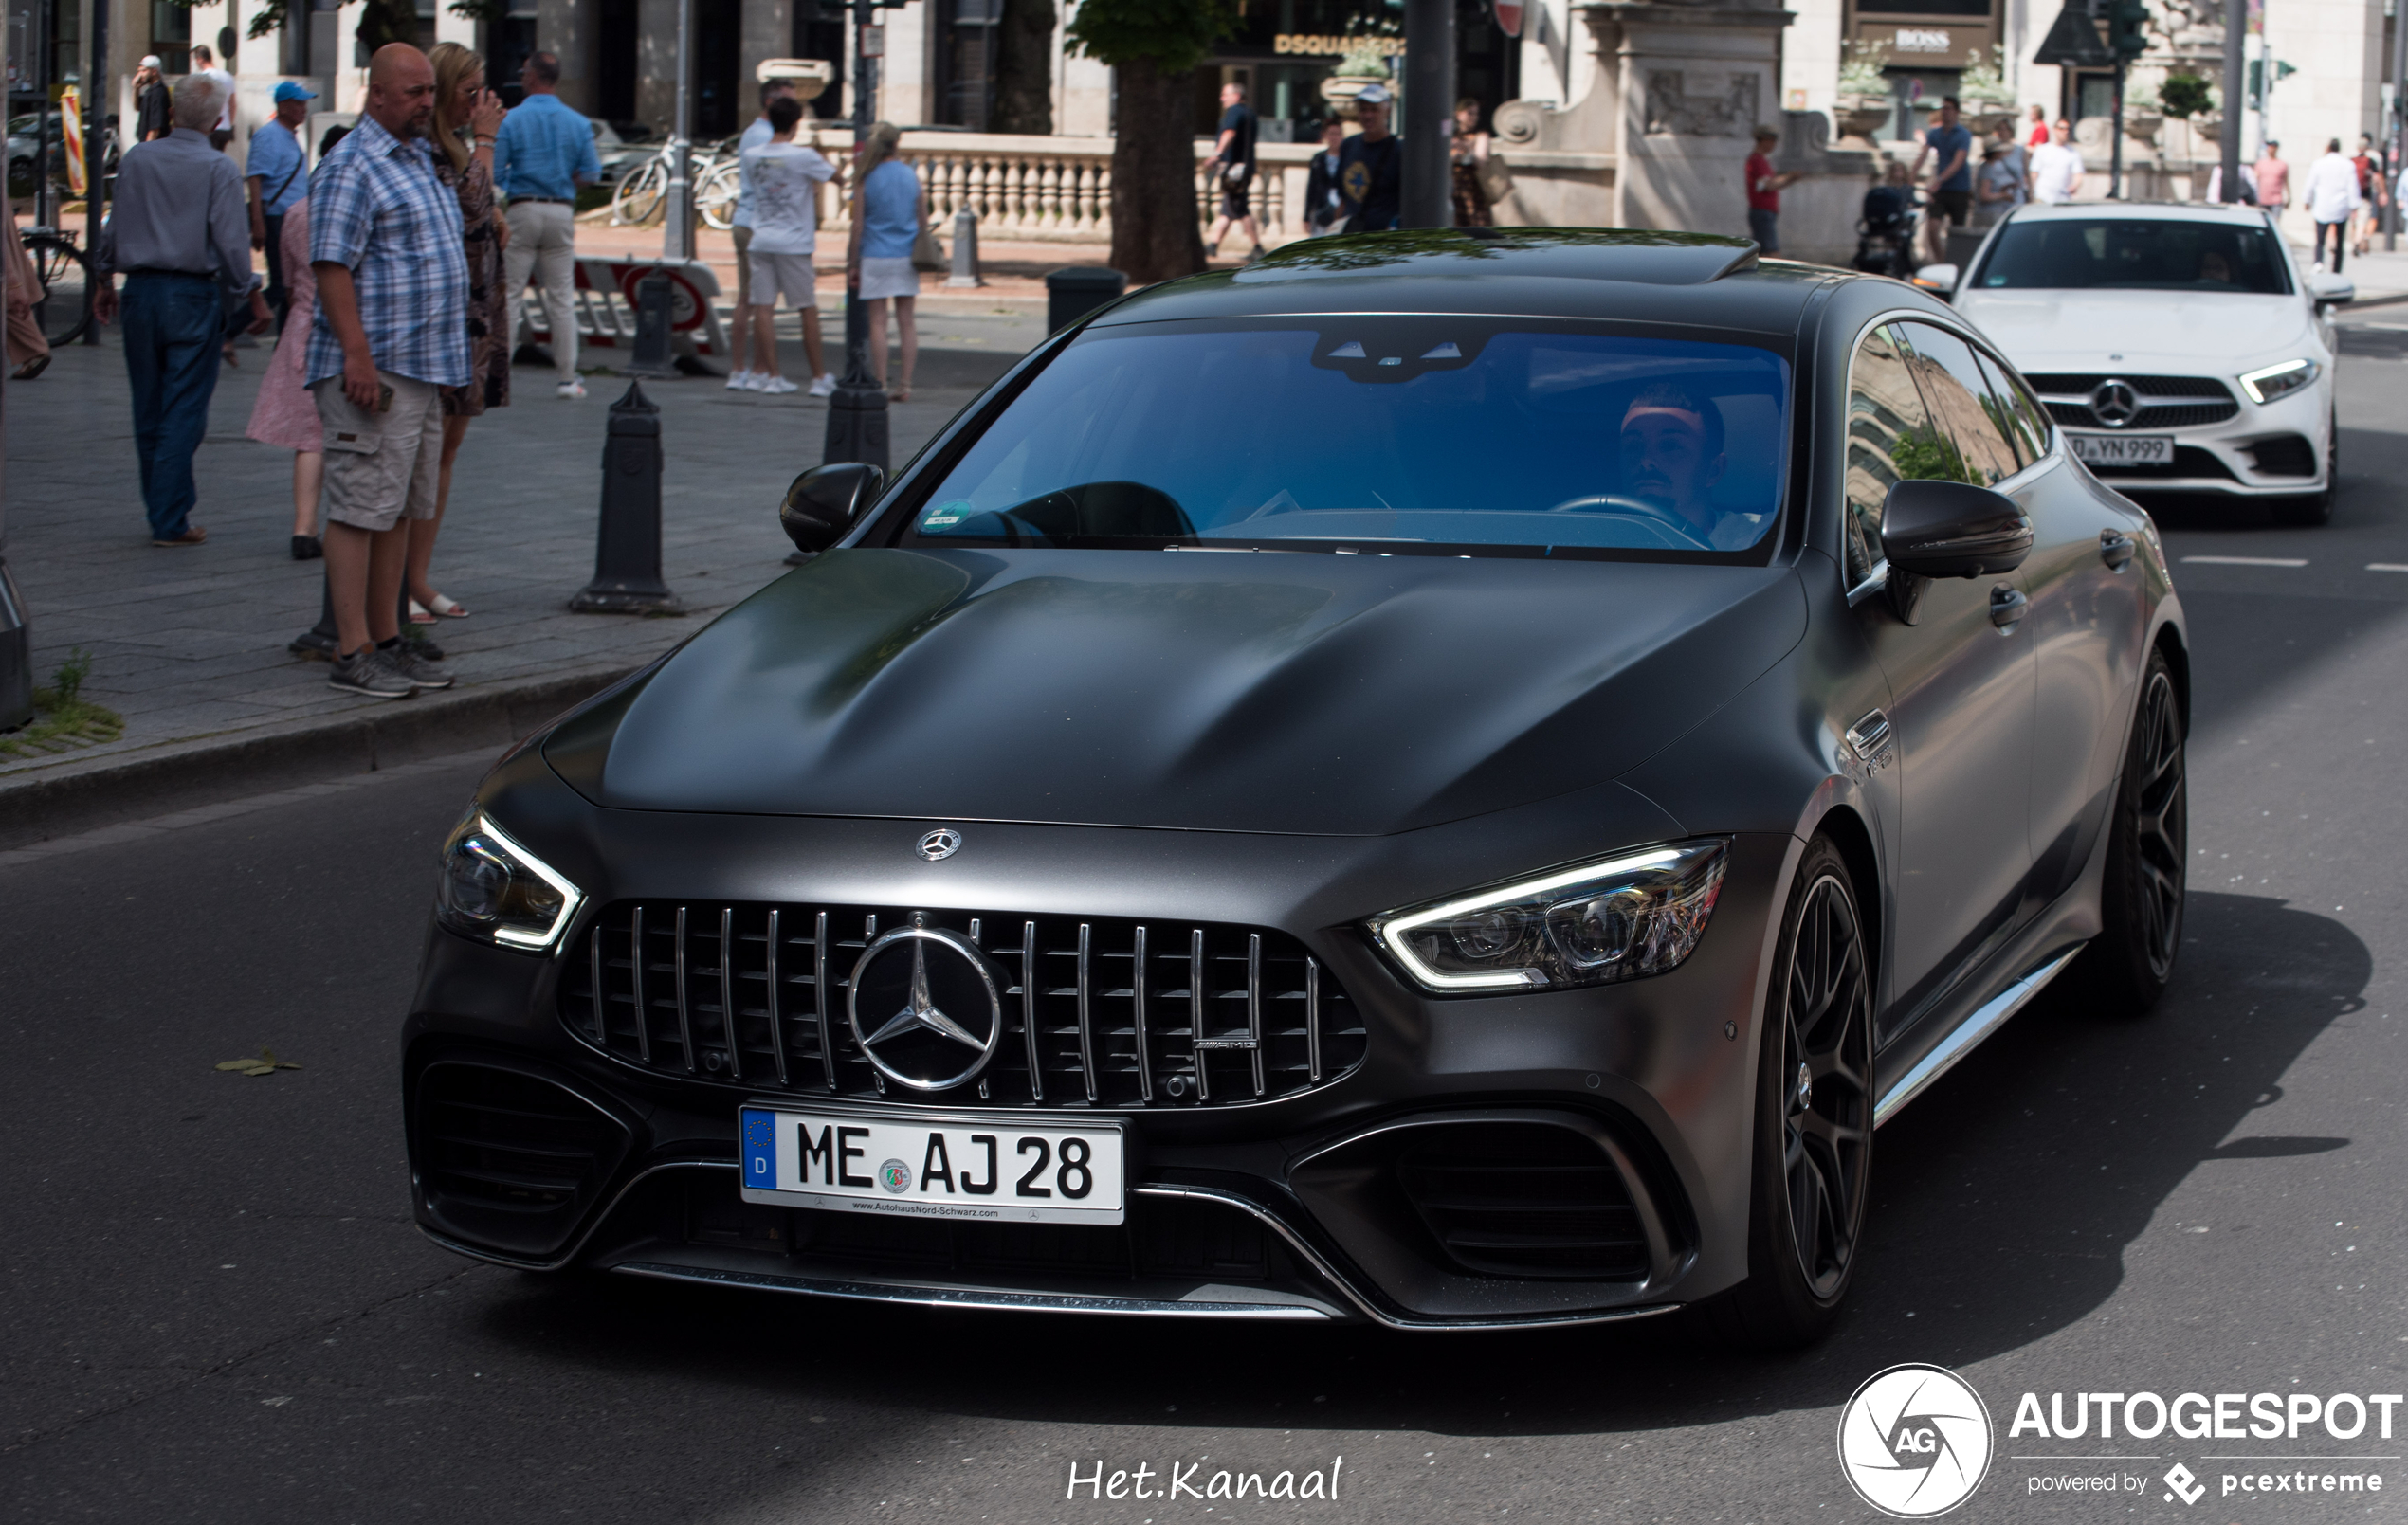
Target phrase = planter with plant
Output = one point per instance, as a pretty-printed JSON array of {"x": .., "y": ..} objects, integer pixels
[
  {"x": 1364, "y": 64},
  {"x": 1864, "y": 91}
]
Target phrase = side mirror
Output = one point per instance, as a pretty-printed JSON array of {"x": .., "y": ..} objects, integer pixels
[
  {"x": 1952, "y": 529},
  {"x": 2330, "y": 290},
  {"x": 824, "y": 502},
  {"x": 1939, "y": 278}
]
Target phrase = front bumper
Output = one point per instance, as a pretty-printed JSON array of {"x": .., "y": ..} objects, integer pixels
[
  {"x": 1314, "y": 1205},
  {"x": 2278, "y": 449}
]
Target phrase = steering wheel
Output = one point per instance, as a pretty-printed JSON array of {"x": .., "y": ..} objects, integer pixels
[{"x": 1633, "y": 508}]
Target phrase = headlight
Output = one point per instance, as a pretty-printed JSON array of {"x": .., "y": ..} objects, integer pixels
[
  {"x": 495, "y": 890},
  {"x": 2280, "y": 380},
  {"x": 1590, "y": 924}
]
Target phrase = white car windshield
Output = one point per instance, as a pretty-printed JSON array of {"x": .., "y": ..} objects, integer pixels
[{"x": 2134, "y": 253}]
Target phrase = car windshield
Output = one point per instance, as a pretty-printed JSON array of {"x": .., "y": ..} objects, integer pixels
[
  {"x": 1415, "y": 432},
  {"x": 2123, "y": 254}
]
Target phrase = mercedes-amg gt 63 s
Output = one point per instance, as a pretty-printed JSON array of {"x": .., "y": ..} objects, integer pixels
[{"x": 1451, "y": 779}]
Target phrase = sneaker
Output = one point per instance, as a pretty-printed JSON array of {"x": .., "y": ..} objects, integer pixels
[
  {"x": 823, "y": 386},
  {"x": 372, "y": 673},
  {"x": 414, "y": 666},
  {"x": 571, "y": 391},
  {"x": 739, "y": 380},
  {"x": 777, "y": 386},
  {"x": 415, "y": 642},
  {"x": 758, "y": 381}
]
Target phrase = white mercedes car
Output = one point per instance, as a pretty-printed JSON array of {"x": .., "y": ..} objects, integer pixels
[{"x": 2180, "y": 345}]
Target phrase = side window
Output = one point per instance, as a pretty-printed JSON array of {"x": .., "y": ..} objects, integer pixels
[
  {"x": 1890, "y": 439},
  {"x": 2017, "y": 411},
  {"x": 1958, "y": 394}
]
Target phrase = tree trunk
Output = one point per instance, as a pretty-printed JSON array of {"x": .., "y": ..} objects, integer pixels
[
  {"x": 1023, "y": 69},
  {"x": 1155, "y": 233}
]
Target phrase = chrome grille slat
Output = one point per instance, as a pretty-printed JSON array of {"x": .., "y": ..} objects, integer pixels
[{"x": 1244, "y": 991}]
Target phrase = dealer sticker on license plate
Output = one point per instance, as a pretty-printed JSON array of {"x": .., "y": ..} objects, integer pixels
[
  {"x": 2124, "y": 449},
  {"x": 925, "y": 1165}
]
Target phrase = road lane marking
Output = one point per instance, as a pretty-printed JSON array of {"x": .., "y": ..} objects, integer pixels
[
  {"x": 2386, "y": 566},
  {"x": 2246, "y": 561}
]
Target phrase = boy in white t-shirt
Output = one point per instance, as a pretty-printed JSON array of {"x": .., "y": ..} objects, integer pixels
[
  {"x": 2056, "y": 167},
  {"x": 781, "y": 179}
]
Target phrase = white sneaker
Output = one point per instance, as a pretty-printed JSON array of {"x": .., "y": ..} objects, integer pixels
[
  {"x": 570, "y": 390},
  {"x": 739, "y": 380},
  {"x": 777, "y": 386},
  {"x": 825, "y": 386},
  {"x": 758, "y": 381}
]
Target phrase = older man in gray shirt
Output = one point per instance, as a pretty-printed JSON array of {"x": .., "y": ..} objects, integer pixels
[{"x": 181, "y": 236}]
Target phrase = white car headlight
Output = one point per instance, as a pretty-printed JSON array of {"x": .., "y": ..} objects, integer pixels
[
  {"x": 1594, "y": 923},
  {"x": 495, "y": 890},
  {"x": 2280, "y": 380}
]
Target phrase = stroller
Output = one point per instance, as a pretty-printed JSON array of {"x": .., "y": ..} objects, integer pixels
[{"x": 1886, "y": 232}]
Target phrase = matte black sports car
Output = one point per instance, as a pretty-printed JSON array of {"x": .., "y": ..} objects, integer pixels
[{"x": 1443, "y": 778}]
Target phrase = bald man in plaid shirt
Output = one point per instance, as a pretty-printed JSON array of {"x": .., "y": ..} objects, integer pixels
[{"x": 392, "y": 329}]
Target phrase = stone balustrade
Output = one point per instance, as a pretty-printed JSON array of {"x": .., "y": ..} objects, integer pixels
[{"x": 1054, "y": 189}]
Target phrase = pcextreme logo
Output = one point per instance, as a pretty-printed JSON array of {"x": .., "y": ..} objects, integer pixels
[{"x": 1914, "y": 1440}]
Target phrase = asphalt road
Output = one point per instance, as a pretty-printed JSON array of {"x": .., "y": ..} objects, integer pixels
[{"x": 216, "y": 1307}]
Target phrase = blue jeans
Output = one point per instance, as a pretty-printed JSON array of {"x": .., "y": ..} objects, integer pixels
[
  {"x": 1764, "y": 227},
  {"x": 174, "y": 326}
]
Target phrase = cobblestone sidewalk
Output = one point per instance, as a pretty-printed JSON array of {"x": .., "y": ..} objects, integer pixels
[{"x": 189, "y": 643}]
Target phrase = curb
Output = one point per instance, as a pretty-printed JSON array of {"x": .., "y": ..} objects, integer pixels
[{"x": 72, "y": 797}]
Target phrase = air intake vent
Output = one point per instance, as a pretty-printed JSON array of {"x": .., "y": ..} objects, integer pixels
[
  {"x": 1525, "y": 1200},
  {"x": 507, "y": 1160},
  {"x": 1098, "y": 1011}
]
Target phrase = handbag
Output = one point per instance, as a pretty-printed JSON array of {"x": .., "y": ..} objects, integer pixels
[
  {"x": 926, "y": 253},
  {"x": 1496, "y": 178}
]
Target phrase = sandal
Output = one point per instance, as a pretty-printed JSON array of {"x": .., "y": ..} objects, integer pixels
[
  {"x": 440, "y": 608},
  {"x": 32, "y": 367},
  {"x": 901, "y": 394}
]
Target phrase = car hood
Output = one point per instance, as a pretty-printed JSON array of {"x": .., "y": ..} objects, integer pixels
[
  {"x": 2154, "y": 332},
  {"x": 1268, "y": 692}
]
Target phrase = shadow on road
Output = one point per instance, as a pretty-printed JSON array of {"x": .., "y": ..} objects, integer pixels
[{"x": 2004, "y": 1201}]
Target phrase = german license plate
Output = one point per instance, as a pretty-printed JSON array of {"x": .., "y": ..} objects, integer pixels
[
  {"x": 2124, "y": 449},
  {"x": 927, "y": 1164}
]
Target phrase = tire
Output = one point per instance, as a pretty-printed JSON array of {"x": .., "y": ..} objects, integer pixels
[
  {"x": 2129, "y": 963},
  {"x": 638, "y": 197},
  {"x": 64, "y": 273},
  {"x": 1812, "y": 1150},
  {"x": 716, "y": 197},
  {"x": 2315, "y": 508}
]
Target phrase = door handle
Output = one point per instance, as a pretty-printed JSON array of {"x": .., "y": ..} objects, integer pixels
[
  {"x": 2006, "y": 606},
  {"x": 2115, "y": 549}
]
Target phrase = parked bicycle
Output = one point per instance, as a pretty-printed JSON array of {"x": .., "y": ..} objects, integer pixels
[
  {"x": 643, "y": 194},
  {"x": 64, "y": 273}
]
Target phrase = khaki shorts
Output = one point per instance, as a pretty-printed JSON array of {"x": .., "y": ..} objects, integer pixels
[
  {"x": 743, "y": 267},
  {"x": 381, "y": 467},
  {"x": 774, "y": 273}
]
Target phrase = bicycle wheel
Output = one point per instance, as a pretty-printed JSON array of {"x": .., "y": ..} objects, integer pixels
[
  {"x": 638, "y": 197},
  {"x": 65, "y": 275},
  {"x": 716, "y": 196}
]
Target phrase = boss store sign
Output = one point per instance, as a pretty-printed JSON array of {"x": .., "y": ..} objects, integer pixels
[{"x": 1922, "y": 40}]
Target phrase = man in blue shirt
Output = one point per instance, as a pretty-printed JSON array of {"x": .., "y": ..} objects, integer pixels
[
  {"x": 543, "y": 153},
  {"x": 1949, "y": 145},
  {"x": 279, "y": 176}
]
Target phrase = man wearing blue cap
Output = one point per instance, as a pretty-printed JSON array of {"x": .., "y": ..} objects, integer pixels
[{"x": 279, "y": 178}]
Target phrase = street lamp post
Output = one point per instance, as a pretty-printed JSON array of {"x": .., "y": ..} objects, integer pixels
[
  {"x": 677, "y": 239},
  {"x": 857, "y": 412},
  {"x": 2236, "y": 94},
  {"x": 1430, "y": 113}
]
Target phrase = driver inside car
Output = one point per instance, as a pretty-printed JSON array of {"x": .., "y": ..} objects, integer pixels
[{"x": 1673, "y": 458}]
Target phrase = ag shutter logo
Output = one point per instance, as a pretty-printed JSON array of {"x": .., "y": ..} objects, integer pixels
[
  {"x": 1914, "y": 1440},
  {"x": 2185, "y": 1481}
]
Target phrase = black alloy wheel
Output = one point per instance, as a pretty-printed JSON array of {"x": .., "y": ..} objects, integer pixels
[
  {"x": 2130, "y": 962},
  {"x": 1815, "y": 1118}
]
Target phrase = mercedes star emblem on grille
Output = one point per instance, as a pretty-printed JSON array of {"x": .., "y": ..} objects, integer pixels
[
  {"x": 944, "y": 1001},
  {"x": 2114, "y": 402},
  {"x": 942, "y": 842}
]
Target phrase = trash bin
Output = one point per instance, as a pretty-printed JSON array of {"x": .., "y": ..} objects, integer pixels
[{"x": 1071, "y": 293}]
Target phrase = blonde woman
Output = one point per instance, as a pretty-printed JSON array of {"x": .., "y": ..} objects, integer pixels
[
  {"x": 467, "y": 117},
  {"x": 890, "y": 207}
]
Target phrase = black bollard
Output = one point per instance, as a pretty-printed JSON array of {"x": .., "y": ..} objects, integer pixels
[
  {"x": 965, "y": 250},
  {"x": 16, "y": 656},
  {"x": 655, "y": 297},
  {"x": 1073, "y": 292},
  {"x": 627, "y": 552}
]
